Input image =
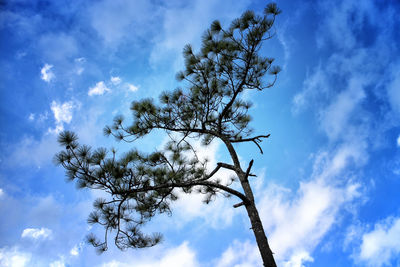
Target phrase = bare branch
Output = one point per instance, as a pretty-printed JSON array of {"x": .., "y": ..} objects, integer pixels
[
  {"x": 256, "y": 140},
  {"x": 238, "y": 205}
]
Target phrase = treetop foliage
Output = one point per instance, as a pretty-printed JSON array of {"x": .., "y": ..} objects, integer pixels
[{"x": 210, "y": 106}]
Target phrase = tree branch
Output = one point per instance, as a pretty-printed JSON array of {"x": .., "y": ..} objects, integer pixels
[
  {"x": 248, "y": 169},
  {"x": 187, "y": 184},
  {"x": 227, "y": 166},
  {"x": 256, "y": 140}
]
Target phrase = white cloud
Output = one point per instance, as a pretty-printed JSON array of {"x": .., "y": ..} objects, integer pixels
[
  {"x": 62, "y": 114},
  {"x": 116, "y": 80},
  {"x": 246, "y": 254},
  {"x": 217, "y": 214},
  {"x": 239, "y": 254},
  {"x": 181, "y": 256},
  {"x": 99, "y": 89},
  {"x": 36, "y": 233},
  {"x": 398, "y": 141},
  {"x": 57, "y": 263},
  {"x": 76, "y": 249},
  {"x": 1, "y": 192},
  {"x": 297, "y": 221},
  {"x": 297, "y": 259},
  {"x": 132, "y": 88},
  {"x": 382, "y": 244},
  {"x": 31, "y": 117},
  {"x": 296, "y": 225},
  {"x": 13, "y": 257},
  {"x": 46, "y": 73}
]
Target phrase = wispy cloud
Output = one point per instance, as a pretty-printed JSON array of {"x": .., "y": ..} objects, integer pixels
[
  {"x": 31, "y": 152},
  {"x": 114, "y": 20},
  {"x": 36, "y": 233},
  {"x": 336, "y": 117},
  {"x": 313, "y": 85},
  {"x": 99, "y": 89},
  {"x": 197, "y": 16},
  {"x": 46, "y": 73},
  {"x": 115, "y": 80},
  {"x": 132, "y": 87},
  {"x": 338, "y": 91},
  {"x": 58, "y": 47},
  {"x": 393, "y": 88},
  {"x": 31, "y": 117},
  {"x": 79, "y": 65}
]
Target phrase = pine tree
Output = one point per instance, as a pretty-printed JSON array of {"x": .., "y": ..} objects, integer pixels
[{"x": 209, "y": 107}]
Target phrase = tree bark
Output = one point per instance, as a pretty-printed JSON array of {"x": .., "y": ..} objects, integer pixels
[
  {"x": 256, "y": 224},
  {"x": 261, "y": 238}
]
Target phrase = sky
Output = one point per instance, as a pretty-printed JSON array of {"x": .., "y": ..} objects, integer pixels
[{"x": 327, "y": 186}]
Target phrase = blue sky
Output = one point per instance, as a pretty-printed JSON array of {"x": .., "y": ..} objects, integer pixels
[{"x": 328, "y": 183}]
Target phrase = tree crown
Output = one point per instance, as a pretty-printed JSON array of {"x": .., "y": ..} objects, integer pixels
[{"x": 141, "y": 185}]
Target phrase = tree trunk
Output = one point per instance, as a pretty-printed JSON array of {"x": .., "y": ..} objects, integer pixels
[
  {"x": 261, "y": 238},
  {"x": 256, "y": 224}
]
